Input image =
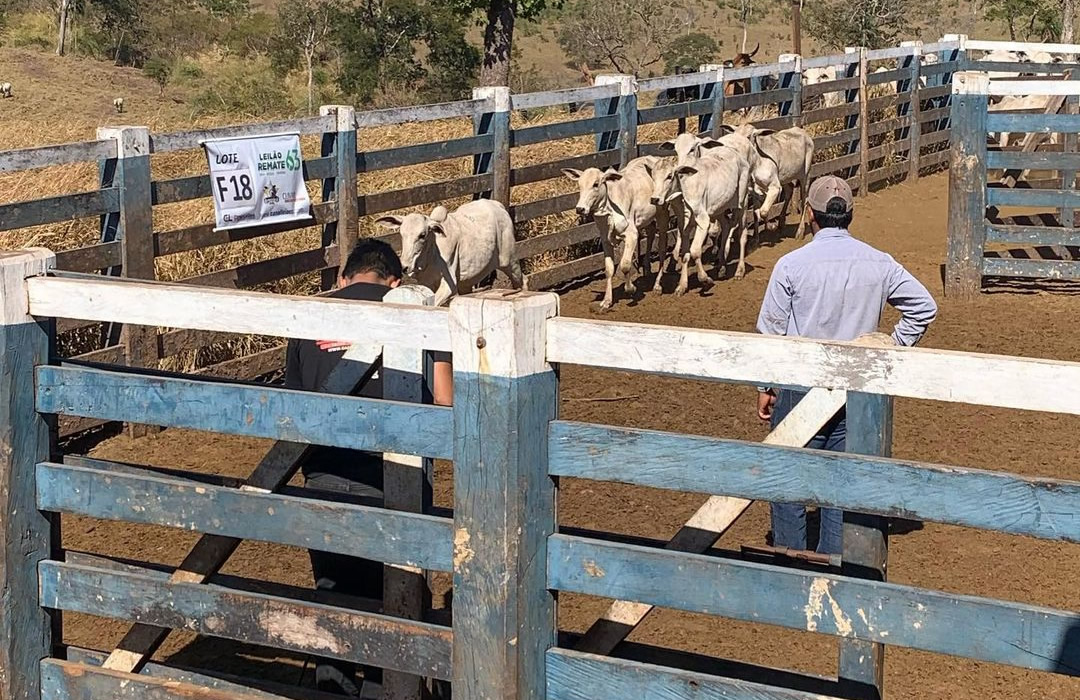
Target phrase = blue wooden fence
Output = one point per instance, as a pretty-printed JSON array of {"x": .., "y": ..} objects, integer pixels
[{"x": 501, "y": 543}]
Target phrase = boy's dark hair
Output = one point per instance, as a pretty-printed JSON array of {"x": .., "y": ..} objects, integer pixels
[
  {"x": 834, "y": 216},
  {"x": 372, "y": 255}
]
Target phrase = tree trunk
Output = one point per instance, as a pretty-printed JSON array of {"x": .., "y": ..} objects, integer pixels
[
  {"x": 310, "y": 83},
  {"x": 1068, "y": 19},
  {"x": 61, "y": 42},
  {"x": 498, "y": 40}
]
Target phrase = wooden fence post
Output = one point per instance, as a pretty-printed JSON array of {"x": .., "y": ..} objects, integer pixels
[
  {"x": 912, "y": 109},
  {"x": 713, "y": 91},
  {"x": 134, "y": 227},
  {"x": 1068, "y": 177},
  {"x": 26, "y": 630},
  {"x": 864, "y": 124},
  {"x": 852, "y": 121},
  {"x": 967, "y": 185},
  {"x": 505, "y": 394},
  {"x": 407, "y": 486},
  {"x": 341, "y": 144},
  {"x": 794, "y": 81},
  {"x": 866, "y": 542},
  {"x": 625, "y": 106},
  {"x": 959, "y": 55},
  {"x": 497, "y": 160}
]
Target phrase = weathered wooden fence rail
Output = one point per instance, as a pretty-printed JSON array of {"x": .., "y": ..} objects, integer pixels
[
  {"x": 501, "y": 542},
  {"x": 874, "y": 128}
]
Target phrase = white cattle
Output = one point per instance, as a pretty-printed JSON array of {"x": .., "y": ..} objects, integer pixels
[
  {"x": 622, "y": 198},
  {"x": 1042, "y": 57},
  {"x": 1021, "y": 103},
  {"x": 118, "y": 104},
  {"x": 450, "y": 253},
  {"x": 1003, "y": 56},
  {"x": 713, "y": 190},
  {"x": 818, "y": 76},
  {"x": 5, "y": 89}
]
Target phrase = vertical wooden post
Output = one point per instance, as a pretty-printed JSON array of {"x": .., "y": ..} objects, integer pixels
[
  {"x": 134, "y": 226},
  {"x": 852, "y": 120},
  {"x": 1068, "y": 177},
  {"x": 407, "y": 485},
  {"x": 959, "y": 55},
  {"x": 864, "y": 124},
  {"x": 796, "y": 26},
  {"x": 912, "y": 109},
  {"x": 505, "y": 394},
  {"x": 713, "y": 91},
  {"x": 625, "y": 106},
  {"x": 496, "y": 123},
  {"x": 967, "y": 185},
  {"x": 26, "y": 630},
  {"x": 866, "y": 542},
  {"x": 792, "y": 80},
  {"x": 341, "y": 188}
]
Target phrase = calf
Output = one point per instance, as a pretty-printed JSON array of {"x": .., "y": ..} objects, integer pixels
[
  {"x": 623, "y": 198},
  {"x": 450, "y": 253},
  {"x": 741, "y": 60},
  {"x": 784, "y": 158},
  {"x": 1002, "y": 56},
  {"x": 709, "y": 188}
]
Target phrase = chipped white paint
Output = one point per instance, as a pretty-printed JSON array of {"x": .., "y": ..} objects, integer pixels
[
  {"x": 463, "y": 554},
  {"x": 299, "y": 631},
  {"x": 820, "y": 591}
]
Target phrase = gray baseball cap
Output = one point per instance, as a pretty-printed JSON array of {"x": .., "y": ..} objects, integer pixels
[{"x": 825, "y": 189}]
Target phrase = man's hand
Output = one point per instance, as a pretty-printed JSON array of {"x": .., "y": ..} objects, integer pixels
[
  {"x": 333, "y": 345},
  {"x": 765, "y": 402}
]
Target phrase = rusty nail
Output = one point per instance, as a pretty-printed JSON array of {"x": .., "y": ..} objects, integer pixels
[{"x": 481, "y": 343}]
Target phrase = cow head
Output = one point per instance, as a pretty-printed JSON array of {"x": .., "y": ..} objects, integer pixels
[
  {"x": 665, "y": 185},
  {"x": 688, "y": 148},
  {"x": 592, "y": 189},
  {"x": 742, "y": 60},
  {"x": 418, "y": 234}
]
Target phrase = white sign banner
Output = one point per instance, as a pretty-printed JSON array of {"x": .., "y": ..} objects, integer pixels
[{"x": 257, "y": 180}]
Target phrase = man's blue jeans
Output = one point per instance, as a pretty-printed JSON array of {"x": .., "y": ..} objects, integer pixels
[{"x": 789, "y": 519}]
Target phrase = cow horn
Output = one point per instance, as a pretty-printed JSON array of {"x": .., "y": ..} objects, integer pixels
[{"x": 756, "y": 49}]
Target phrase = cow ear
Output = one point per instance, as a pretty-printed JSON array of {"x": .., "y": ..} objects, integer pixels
[
  {"x": 436, "y": 228},
  {"x": 685, "y": 170},
  {"x": 612, "y": 175},
  {"x": 667, "y": 146},
  {"x": 764, "y": 132},
  {"x": 710, "y": 143},
  {"x": 727, "y": 129},
  {"x": 389, "y": 221},
  {"x": 574, "y": 175}
]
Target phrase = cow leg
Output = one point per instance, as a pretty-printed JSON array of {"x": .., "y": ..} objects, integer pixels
[
  {"x": 609, "y": 270},
  {"x": 513, "y": 271},
  {"x": 743, "y": 231},
  {"x": 771, "y": 196},
  {"x": 684, "y": 256},
  {"x": 789, "y": 193},
  {"x": 662, "y": 223},
  {"x": 626, "y": 261},
  {"x": 803, "y": 206},
  {"x": 697, "y": 246}
]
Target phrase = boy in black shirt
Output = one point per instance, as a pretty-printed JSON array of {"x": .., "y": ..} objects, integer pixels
[{"x": 372, "y": 270}]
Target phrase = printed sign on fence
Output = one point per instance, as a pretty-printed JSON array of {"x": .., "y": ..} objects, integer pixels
[{"x": 257, "y": 180}]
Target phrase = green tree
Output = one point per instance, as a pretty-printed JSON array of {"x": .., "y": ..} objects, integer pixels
[
  {"x": 159, "y": 70},
  {"x": 692, "y": 49},
  {"x": 304, "y": 32},
  {"x": 499, "y": 17},
  {"x": 1027, "y": 19},
  {"x": 630, "y": 36},
  {"x": 871, "y": 23}
]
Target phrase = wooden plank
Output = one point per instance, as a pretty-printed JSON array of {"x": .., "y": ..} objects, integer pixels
[
  {"x": 840, "y": 60},
  {"x": 755, "y": 99},
  {"x": 891, "y": 52},
  {"x": 27, "y": 536},
  {"x": 759, "y": 69},
  {"x": 814, "y": 116},
  {"x": 668, "y": 82},
  {"x": 229, "y": 311},
  {"x": 496, "y": 162},
  {"x": 253, "y": 411},
  {"x": 675, "y": 110},
  {"x": 60, "y": 154},
  {"x": 249, "y": 617},
  {"x": 712, "y": 519},
  {"x": 1043, "y": 508},
  {"x": 834, "y": 165},
  {"x": 504, "y": 614},
  {"x": 546, "y": 171},
  {"x": 113, "y": 355},
  {"x": 66, "y": 680},
  {"x": 1033, "y": 87},
  {"x": 554, "y": 241},
  {"x": 1032, "y": 235},
  {"x": 838, "y": 85},
  {"x": 861, "y": 667},
  {"x": 575, "y": 269},
  {"x": 339, "y": 188},
  {"x": 258, "y": 364},
  {"x": 1019, "y": 197},
  {"x": 50, "y": 210},
  {"x": 930, "y": 93},
  {"x": 887, "y": 76},
  {"x": 265, "y": 271},
  {"x": 886, "y": 101},
  {"x": 182, "y": 140},
  {"x": 204, "y": 236},
  {"x": 839, "y": 138},
  {"x": 1033, "y": 123},
  {"x": 1032, "y": 269},
  {"x": 528, "y": 211},
  {"x": 90, "y": 258},
  {"x": 421, "y": 113},
  {"x": 1016, "y": 160},
  {"x": 572, "y": 675},
  {"x": 888, "y": 172},
  {"x": 552, "y": 98},
  {"x": 401, "y": 156},
  {"x": 776, "y": 123},
  {"x": 379, "y": 202},
  {"x": 257, "y": 688},
  {"x": 967, "y": 189},
  {"x": 1009, "y": 633},
  {"x": 529, "y": 135},
  {"x": 273, "y": 471},
  {"x": 407, "y": 539},
  {"x": 749, "y": 358},
  {"x": 984, "y": 45},
  {"x": 934, "y": 139},
  {"x": 183, "y": 189},
  {"x": 943, "y": 68}
]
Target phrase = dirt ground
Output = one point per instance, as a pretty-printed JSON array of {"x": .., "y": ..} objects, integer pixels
[{"x": 909, "y": 222}]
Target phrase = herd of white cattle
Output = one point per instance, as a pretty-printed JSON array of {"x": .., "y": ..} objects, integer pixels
[{"x": 707, "y": 187}]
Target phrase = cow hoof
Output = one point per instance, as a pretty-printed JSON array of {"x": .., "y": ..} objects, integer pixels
[
  {"x": 739, "y": 274},
  {"x": 679, "y": 291},
  {"x": 630, "y": 288}
]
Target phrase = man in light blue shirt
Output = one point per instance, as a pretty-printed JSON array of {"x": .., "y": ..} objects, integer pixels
[{"x": 833, "y": 288}]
